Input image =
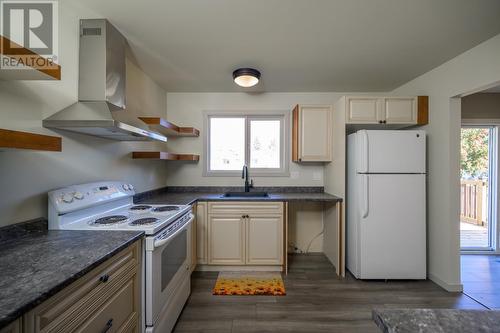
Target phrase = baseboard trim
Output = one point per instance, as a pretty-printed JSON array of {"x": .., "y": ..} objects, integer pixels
[
  {"x": 451, "y": 287},
  {"x": 235, "y": 268}
]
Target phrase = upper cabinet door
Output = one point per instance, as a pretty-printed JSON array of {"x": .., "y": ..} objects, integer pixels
[
  {"x": 363, "y": 110},
  {"x": 312, "y": 133},
  {"x": 400, "y": 110}
]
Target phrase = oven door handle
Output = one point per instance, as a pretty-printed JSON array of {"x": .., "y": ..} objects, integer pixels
[{"x": 161, "y": 242}]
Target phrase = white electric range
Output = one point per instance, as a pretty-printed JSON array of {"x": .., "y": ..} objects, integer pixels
[{"x": 167, "y": 245}]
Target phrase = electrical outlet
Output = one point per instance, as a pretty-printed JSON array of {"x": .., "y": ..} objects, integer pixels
[{"x": 294, "y": 175}]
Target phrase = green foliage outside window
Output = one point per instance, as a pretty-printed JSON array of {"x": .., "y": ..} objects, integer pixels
[{"x": 474, "y": 153}]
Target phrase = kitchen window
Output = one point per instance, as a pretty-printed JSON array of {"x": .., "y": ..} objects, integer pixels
[{"x": 257, "y": 140}]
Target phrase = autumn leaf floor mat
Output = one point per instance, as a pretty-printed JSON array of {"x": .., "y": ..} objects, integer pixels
[{"x": 249, "y": 283}]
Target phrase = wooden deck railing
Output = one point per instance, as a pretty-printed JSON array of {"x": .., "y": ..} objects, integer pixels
[{"x": 472, "y": 194}]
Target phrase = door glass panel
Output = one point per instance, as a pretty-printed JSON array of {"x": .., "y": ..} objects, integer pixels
[
  {"x": 475, "y": 182},
  {"x": 172, "y": 258}
]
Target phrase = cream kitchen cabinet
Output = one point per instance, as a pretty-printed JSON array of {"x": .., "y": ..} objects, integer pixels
[
  {"x": 201, "y": 233},
  {"x": 14, "y": 327},
  {"x": 226, "y": 241},
  {"x": 108, "y": 299},
  {"x": 264, "y": 240},
  {"x": 363, "y": 110},
  {"x": 312, "y": 133},
  {"x": 386, "y": 110},
  {"x": 245, "y": 233}
]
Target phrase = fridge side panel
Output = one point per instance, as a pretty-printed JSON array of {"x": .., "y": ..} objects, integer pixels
[
  {"x": 352, "y": 208},
  {"x": 395, "y": 152},
  {"x": 393, "y": 233}
]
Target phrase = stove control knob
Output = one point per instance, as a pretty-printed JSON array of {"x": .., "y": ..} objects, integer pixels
[
  {"x": 125, "y": 187},
  {"x": 78, "y": 195},
  {"x": 67, "y": 198},
  {"x": 130, "y": 187}
]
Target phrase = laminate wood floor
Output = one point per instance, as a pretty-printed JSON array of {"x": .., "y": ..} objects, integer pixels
[
  {"x": 481, "y": 278},
  {"x": 316, "y": 301}
]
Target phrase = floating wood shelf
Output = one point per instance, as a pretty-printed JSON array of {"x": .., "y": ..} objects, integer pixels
[
  {"x": 23, "y": 140},
  {"x": 167, "y": 128},
  {"x": 51, "y": 72},
  {"x": 162, "y": 155}
]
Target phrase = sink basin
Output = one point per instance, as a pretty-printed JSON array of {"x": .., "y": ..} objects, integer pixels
[{"x": 245, "y": 195}]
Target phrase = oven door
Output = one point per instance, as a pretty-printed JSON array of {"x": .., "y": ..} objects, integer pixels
[{"x": 167, "y": 265}]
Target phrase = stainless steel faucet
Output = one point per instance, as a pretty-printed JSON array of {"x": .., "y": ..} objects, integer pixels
[{"x": 244, "y": 175}]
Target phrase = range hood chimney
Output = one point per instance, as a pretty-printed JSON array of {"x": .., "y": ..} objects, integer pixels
[{"x": 100, "y": 110}]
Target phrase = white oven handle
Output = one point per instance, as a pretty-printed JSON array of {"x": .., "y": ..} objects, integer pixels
[{"x": 161, "y": 242}]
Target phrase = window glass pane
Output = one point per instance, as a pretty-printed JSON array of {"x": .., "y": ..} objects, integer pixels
[
  {"x": 227, "y": 143},
  {"x": 265, "y": 143}
]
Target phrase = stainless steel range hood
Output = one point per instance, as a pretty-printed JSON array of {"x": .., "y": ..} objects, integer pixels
[{"x": 100, "y": 110}]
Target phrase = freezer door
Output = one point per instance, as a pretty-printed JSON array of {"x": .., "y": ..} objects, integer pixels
[
  {"x": 392, "y": 229},
  {"x": 390, "y": 151}
]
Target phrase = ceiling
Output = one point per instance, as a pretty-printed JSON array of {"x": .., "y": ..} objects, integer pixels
[{"x": 298, "y": 45}]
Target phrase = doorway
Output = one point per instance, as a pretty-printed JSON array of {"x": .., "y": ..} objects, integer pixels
[
  {"x": 478, "y": 165},
  {"x": 479, "y": 170}
]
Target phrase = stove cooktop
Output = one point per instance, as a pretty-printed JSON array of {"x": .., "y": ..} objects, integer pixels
[{"x": 148, "y": 218}]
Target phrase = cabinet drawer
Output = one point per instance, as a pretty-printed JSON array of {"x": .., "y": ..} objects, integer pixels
[
  {"x": 246, "y": 207},
  {"x": 74, "y": 305},
  {"x": 118, "y": 313}
]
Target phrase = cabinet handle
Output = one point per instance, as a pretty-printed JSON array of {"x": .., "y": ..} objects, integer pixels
[
  {"x": 108, "y": 326},
  {"x": 104, "y": 278},
  {"x": 242, "y": 216}
]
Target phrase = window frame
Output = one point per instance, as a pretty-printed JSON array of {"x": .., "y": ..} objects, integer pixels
[
  {"x": 282, "y": 116},
  {"x": 493, "y": 185}
]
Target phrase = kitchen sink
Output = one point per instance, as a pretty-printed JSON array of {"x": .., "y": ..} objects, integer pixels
[{"x": 245, "y": 195}]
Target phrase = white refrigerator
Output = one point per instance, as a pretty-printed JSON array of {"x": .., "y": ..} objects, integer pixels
[{"x": 386, "y": 204}]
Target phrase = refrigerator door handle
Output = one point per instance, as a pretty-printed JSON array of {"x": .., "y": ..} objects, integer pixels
[
  {"x": 366, "y": 204},
  {"x": 364, "y": 152}
]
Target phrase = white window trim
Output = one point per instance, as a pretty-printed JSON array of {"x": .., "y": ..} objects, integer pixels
[{"x": 284, "y": 116}]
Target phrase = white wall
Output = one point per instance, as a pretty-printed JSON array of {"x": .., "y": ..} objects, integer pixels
[
  {"x": 481, "y": 106},
  {"x": 186, "y": 109},
  {"x": 469, "y": 72},
  {"x": 26, "y": 176}
]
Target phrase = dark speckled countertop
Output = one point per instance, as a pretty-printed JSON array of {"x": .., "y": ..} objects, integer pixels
[
  {"x": 437, "y": 320},
  {"x": 189, "y": 195},
  {"x": 36, "y": 263}
]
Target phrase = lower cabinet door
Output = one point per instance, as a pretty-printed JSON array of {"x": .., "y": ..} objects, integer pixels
[
  {"x": 226, "y": 240},
  {"x": 264, "y": 240},
  {"x": 118, "y": 314}
]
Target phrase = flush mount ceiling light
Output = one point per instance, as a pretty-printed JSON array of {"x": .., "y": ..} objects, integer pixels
[{"x": 246, "y": 77}]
